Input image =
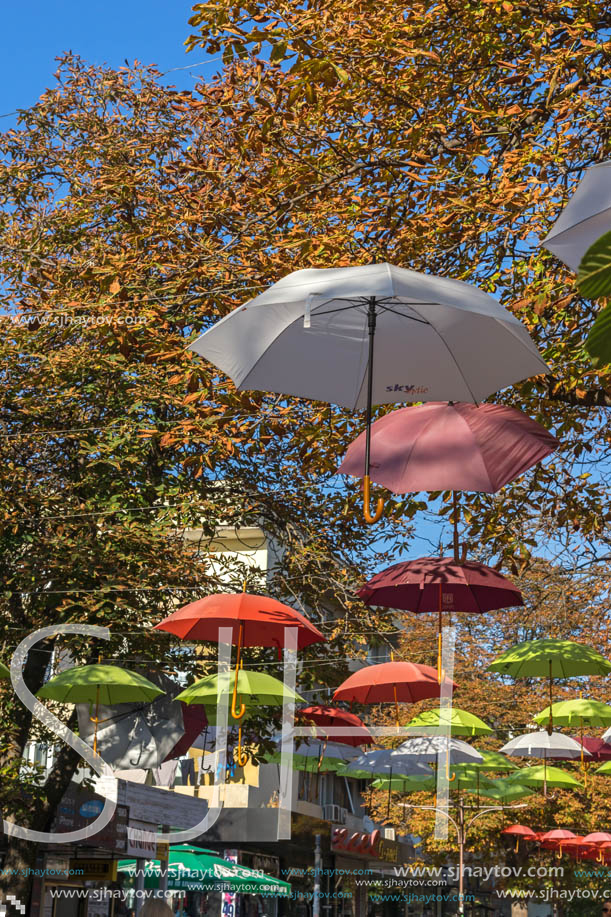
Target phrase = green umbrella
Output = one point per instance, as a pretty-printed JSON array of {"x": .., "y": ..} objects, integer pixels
[
  {"x": 544, "y": 775},
  {"x": 259, "y": 690},
  {"x": 193, "y": 869},
  {"x": 550, "y": 659},
  {"x": 319, "y": 757},
  {"x": 576, "y": 712},
  {"x": 4, "y": 672},
  {"x": 99, "y": 684},
  {"x": 504, "y": 791},
  {"x": 406, "y": 784},
  {"x": 461, "y": 723},
  {"x": 493, "y": 761},
  {"x": 604, "y": 768}
]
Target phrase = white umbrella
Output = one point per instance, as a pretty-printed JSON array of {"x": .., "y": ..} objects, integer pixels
[
  {"x": 586, "y": 217},
  {"x": 543, "y": 745},
  {"x": 429, "y": 748},
  {"x": 312, "y": 334},
  {"x": 383, "y": 762}
]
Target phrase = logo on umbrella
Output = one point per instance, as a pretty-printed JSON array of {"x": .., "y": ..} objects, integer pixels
[{"x": 416, "y": 389}]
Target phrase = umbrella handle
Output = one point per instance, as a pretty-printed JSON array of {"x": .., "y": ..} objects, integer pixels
[
  {"x": 517, "y": 846},
  {"x": 448, "y": 778},
  {"x": 369, "y": 519},
  {"x": 237, "y": 712},
  {"x": 241, "y": 756}
]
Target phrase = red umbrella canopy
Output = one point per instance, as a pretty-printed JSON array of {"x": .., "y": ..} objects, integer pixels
[
  {"x": 334, "y": 717},
  {"x": 440, "y": 584},
  {"x": 551, "y": 839},
  {"x": 261, "y": 619},
  {"x": 598, "y": 837},
  {"x": 388, "y": 682},
  {"x": 519, "y": 830},
  {"x": 459, "y": 446},
  {"x": 600, "y": 751},
  {"x": 574, "y": 846}
]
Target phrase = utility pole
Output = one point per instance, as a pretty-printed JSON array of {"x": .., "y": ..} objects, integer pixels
[{"x": 317, "y": 876}]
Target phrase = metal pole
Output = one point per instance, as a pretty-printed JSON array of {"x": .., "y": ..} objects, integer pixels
[
  {"x": 317, "y": 875},
  {"x": 461, "y": 859},
  {"x": 139, "y": 888}
]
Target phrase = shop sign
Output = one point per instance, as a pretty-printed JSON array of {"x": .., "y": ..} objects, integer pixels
[
  {"x": 77, "y": 810},
  {"x": 162, "y": 852},
  {"x": 141, "y": 839},
  {"x": 94, "y": 869},
  {"x": 355, "y": 842},
  {"x": 388, "y": 851}
]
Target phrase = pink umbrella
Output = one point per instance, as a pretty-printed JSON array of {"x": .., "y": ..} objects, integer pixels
[{"x": 455, "y": 446}]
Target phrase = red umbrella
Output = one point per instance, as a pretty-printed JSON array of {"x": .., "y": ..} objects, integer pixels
[
  {"x": 575, "y": 846},
  {"x": 519, "y": 831},
  {"x": 255, "y": 620},
  {"x": 438, "y": 584},
  {"x": 598, "y": 837},
  {"x": 552, "y": 839},
  {"x": 456, "y": 446},
  {"x": 334, "y": 717},
  {"x": 391, "y": 682},
  {"x": 599, "y": 750}
]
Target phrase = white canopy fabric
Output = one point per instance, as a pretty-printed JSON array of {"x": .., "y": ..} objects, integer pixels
[
  {"x": 586, "y": 217},
  {"x": 383, "y": 761},
  {"x": 543, "y": 745},
  {"x": 436, "y": 339},
  {"x": 430, "y": 748}
]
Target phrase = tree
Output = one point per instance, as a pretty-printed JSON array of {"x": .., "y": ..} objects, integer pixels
[
  {"x": 444, "y": 137},
  {"x": 106, "y": 272}
]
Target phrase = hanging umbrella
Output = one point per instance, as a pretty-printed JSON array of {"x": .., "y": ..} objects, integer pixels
[
  {"x": 316, "y": 332},
  {"x": 391, "y": 682},
  {"x": 503, "y": 791},
  {"x": 255, "y": 621},
  {"x": 4, "y": 672},
  {"x": 493, "y": 761},
  {"x": 544, "y": 776},
  {"x": 597, "y": 837},
  {"x": 584, "y": 219},
  {"x": 576, "y": 712},
  {"x": 550, "y": 659},
  {"x": 405, "y": 784},
  {"x": 438, "y": 584},
  {"x": 604, "y": 769},
  {"x": 385, "y": 763},
  {"x": 518, "y": 831},
  {"x": 105, "y": 685},
  {"x": 334, "y": 718},
  {"x": 429, "y": 748},
  {"x": 460, "y": 722},
  {"x": 543, "y": 745},
  {"x": 139, "y": 735},
  {"x": 261, "y": 690},
  {"x": 598, "y": 749},
  {"x": 456, "y": 446}
]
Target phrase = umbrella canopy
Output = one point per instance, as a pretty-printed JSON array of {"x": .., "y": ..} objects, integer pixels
[
  {"x": 385, "y": 763},
  {"x": 456, "y": 446},
  {"x": 440, "y": 584},
  {"x": 598, "y": 749},
  {"x": 460, "y": 722},
  {"x": 430, "y": 748},
  {"x": 558, "y": 834},
  {"x": 493, "y": 761},
  {"x": 261, "y": 620},
  {"x": 406, "y": 784},
  {"x": 99, "y": 684},
  {"x": 505, "y": 792},
  {"x": 519, "y": 831},
  {"x": 597, "y": 837},
  {"x": 604, "y": 769},
  {"x": 388, "y": 682},
  {"x": 550, "y": 658},
  {"x": 190, "y": 868},
  {"x": 575, "y": 712},
  {"x": 260, "y": 689},
  {"x": 538, "y": 775},
  {"x": 334, "y": 717},
  {"x": 316, "y": 332},
  {"x": 543, "y": 745},
  {"x": 584, "y": 219},
  {"x": 4, "y": 672},
  {"x": 138, "y": 735}
]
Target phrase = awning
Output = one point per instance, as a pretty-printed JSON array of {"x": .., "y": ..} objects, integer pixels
[{"x": 195, "y": 869}]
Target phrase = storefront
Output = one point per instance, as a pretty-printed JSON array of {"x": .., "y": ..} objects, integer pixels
[{"x": 363, "y": 869}]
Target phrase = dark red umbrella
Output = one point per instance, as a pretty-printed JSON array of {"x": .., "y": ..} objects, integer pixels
[
  {"x": 599, "y": 750},
  {"x": 391, "y": 682},
  {"x": 333, "y": 718},
  {"x": 195, "y": 721},
  {"x": 438, "y": 584},
  {"x": 456, "y": 446}
]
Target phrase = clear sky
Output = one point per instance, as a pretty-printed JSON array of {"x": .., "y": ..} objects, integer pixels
[{"x": 35, "y": 33}]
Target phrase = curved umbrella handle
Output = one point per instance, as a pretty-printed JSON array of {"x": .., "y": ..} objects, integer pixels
[
  {"x": 369, "y": 519},
  {"x": 237, "y": 712},
  {"x": 517, "y": 846},
  {"x": 241, "y": 756}
]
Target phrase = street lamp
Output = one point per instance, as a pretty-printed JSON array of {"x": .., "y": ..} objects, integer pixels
[{"x": 461, "y": 835}]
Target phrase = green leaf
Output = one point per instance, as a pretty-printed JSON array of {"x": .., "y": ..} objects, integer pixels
[
  {"x": 598, "y": 343},
  {"x": 594, "y": 276}
]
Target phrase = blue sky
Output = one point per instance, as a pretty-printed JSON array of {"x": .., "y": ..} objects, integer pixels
[{"x": 34, "y": 34}]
